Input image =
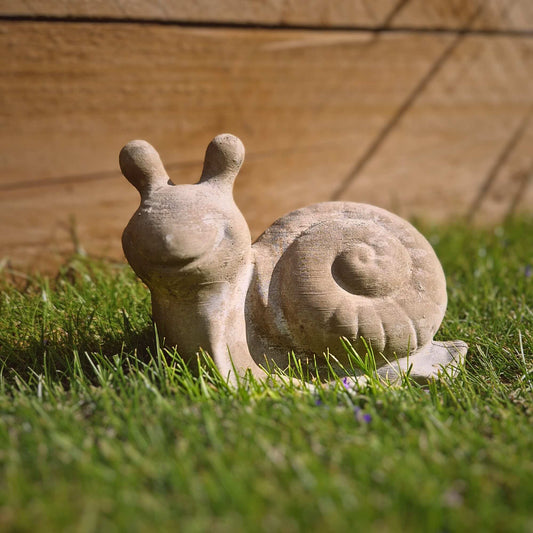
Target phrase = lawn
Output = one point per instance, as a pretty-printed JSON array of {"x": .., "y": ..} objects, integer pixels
[{"x": 101, "y": 430}]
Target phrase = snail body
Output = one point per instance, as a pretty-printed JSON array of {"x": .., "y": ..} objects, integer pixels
[{"x": 326, "y": 271}]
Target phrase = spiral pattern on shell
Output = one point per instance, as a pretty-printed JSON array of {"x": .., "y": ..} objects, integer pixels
[{"x": 345, "y": 269}]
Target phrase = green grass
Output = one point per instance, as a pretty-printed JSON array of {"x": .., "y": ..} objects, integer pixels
[{"x": 102, "y": 431}]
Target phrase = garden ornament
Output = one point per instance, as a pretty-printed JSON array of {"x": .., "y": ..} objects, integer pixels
[{"x": 321, "y": 273}]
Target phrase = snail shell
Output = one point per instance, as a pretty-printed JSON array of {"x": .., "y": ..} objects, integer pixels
[{"x": 343, "y": 269}]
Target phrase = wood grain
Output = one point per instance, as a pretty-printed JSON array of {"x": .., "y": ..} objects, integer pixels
[
  {"x": 423, "y": 14},
  {"x": 321, "y": 13},
  {"x": 439, "y": 108},
  {"x": 492, "y": 14},
  {"x": 74, "y": 94}
]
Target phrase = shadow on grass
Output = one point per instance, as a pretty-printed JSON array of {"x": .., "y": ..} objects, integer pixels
[{"x": 90, "y": 307}]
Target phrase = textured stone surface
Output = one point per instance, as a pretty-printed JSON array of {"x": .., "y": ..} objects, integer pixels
[{"x": 330, "y": 270}]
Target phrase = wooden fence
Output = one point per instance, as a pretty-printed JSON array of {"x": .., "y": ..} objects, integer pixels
[{"x": 419, "y": 106}]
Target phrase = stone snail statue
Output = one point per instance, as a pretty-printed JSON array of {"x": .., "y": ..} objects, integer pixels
[{"x": 330, "y": 270}]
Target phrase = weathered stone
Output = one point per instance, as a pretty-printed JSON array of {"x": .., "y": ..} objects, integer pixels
[{"x": 330, "y": 270}]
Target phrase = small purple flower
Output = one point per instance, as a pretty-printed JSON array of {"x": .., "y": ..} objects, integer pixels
[
  {"x": 527, "y": 271},
  {"x": 360, "y": 416},
  {"x": 318, "y": 402},
  {"x": 347, "y": 383}
]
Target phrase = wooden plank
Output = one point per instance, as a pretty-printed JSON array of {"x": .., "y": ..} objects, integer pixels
[
  {"x": 72, "y": 95},
  {"x": 450, "y": 14},
  {"x": 508, "y": 185},
  {"x": 492, "y": 15},
  {"x": 40, "y": 227},
  {"x": 308, "y": 106},
  {"x": 455, "y": 133},
  {"x": 320, "y": 13}
]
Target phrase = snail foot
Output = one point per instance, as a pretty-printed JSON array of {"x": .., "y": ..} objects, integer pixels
[{"x": 429, "y": 362}]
